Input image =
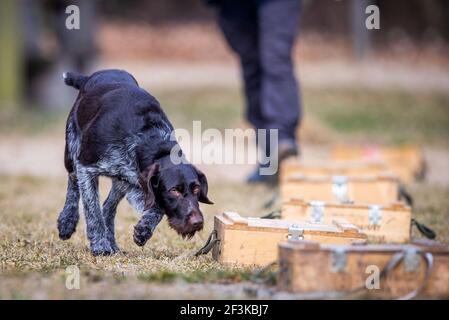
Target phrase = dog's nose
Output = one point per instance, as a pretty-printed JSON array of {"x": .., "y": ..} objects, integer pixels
[{"x": 196, "y": 220}]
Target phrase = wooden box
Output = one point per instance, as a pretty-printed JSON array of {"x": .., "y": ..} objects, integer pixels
[
  {"x": 387, "y": 223},
  {"x": 337, "y": 271},
  {"x": 253, "y": 241},
  {"x": 292, "y": 168},
  {"x": 381, "y": 189},
  {"x": 406, "y": 161}
]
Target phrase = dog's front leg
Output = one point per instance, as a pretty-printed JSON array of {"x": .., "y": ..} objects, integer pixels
[
  {"x": 144, "y": 229},
  {"x": 96, "y": 227}
]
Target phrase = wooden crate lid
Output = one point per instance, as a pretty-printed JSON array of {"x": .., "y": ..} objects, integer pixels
[
  {"x": 298, "y": 202},
  {"x": 334, "y": 165},
  {"x": 372, "y": 152},
  {"x": 233, "y": 220},
  {"x": 388, "y": 176},
  {"x": 433, "y": 247}
]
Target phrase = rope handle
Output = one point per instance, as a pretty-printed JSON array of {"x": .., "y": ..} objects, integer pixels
[
  {"x": 392, "y": 264},
  {"x": 428, "y": 258},
  {"x": 212, "y": 240},
  {"x": 263, "y": 276}
]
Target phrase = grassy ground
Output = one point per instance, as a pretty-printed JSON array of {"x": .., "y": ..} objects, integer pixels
[
  {"x": 29, "y": 242},
  {"x": 33, "y": 259}
]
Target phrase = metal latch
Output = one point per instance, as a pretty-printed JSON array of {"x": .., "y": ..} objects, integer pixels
[
  {"x": 412, "y": 260},
  {"x": 375, "y": 214},
  {"x": 317, "y": 214},
  {"x": 338, "y": 260},
  {"x": 295, "y": 232},
  {"x": 340, "y": 187}
]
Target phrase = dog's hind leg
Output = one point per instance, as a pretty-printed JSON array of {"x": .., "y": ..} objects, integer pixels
[
  {"x": 69, "y": 216},
  {"x": 117, "y": 193},
  {"x": 144, "y": 229},
  {"x": 95, "y": 223}
]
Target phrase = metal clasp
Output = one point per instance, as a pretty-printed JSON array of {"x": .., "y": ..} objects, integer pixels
[
  {"x": 412, "y": 260},
  {"x": 338, "y": 260},
  {"x": 375, "y": 214},
  {"x": 295, "y": 232},
  {"x": 317, "y": 214},
  {"x": 340, "y": 187}
]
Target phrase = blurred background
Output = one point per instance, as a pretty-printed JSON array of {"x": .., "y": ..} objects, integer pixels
[
  {"x": 387, "y": 86},
  {"x": 36, "y": 45}
]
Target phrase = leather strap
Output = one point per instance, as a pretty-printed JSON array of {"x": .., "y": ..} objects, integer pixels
[
  {"x": 272, "y": 215},
  {"x": 404, "y": 194},
  {"x": 212, "y": 240},
  {"x": 425, "y": 231}
]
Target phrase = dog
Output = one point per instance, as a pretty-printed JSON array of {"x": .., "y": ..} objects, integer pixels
[{"x": 118, "y": 130}]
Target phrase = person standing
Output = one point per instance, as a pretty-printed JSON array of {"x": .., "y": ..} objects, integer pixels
[{"x": 262, "y": 33}]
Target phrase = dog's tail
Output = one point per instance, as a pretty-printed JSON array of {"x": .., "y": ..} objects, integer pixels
[{"x": 74, "y": 80}]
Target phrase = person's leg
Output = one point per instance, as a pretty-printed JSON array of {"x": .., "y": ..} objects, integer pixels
[
  {"x": 280, "y": 101},
  {"x": 238, "y": 22}
]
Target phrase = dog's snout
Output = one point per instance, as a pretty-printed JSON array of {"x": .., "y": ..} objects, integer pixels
[{"x": 196, "y": 219}]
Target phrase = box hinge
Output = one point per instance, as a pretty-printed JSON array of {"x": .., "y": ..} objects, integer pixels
[{"x": 295, "y": 232}]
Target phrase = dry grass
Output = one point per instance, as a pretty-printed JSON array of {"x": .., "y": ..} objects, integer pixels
[{"x": 29, "y": 244}]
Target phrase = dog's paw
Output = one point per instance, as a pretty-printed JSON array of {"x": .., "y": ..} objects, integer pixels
[
  {"x": 142, "y": 233},
  {"x": 103, "y": 248},
  {"x": 67, "y": 224},
  {"x": 115, "y": 247},
  {"x": 111, "y": 238}
]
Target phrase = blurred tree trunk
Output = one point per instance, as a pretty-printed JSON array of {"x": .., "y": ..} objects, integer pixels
[{"x": 10, "y": 57}]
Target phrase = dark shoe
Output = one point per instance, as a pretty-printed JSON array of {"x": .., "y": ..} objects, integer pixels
[
  {"x": 256, "y": 177},
  {"x": 286, "y": 148}
]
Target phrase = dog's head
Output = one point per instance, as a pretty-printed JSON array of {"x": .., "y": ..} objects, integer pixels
[{"x": 178, "y": 189}]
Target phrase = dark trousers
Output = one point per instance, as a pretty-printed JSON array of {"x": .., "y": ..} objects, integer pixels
[{"x": 262, "y": 33}]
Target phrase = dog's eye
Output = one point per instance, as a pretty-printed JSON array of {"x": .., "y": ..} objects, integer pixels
[
  {"x": 175, "y": 192},
  {"x": 196, "y": 189}
]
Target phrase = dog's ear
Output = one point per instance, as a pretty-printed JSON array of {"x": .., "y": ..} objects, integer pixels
[
  {"x": 148, "y": 181},
  {"x": 204, "y": 188}
]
